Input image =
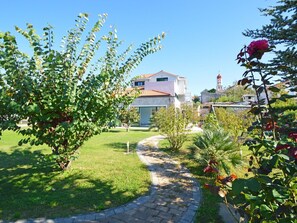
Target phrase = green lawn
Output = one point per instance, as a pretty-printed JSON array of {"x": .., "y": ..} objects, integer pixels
[
  {"x": 209, "y": 209},
  {"x": 102, "y": 177}
]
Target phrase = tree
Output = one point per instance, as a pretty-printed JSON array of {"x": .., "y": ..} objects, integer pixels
[
  {"x": 213, "y": 90},
  {"x": 233, "y": 122},
  {"x": 68, "y": 95},
  {"x": 172, "y": 122},
  {"x": 196, "y": 99},
  {"x": 128, "y": 116},
  {"x": 234, "y": 94},
  {"x": 282, "y": 33}
]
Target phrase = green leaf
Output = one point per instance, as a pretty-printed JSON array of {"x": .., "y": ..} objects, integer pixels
[
  {"x": 253, "y": 185},
  {"x": 283, "y": 156},
  {"x": 250, "y": 197},
  {"x": 238, "y": 186},
  {"x": 276, "y": 194},
  {"x": 274, "y": 89},
  {"x": 265, "y": 208}
]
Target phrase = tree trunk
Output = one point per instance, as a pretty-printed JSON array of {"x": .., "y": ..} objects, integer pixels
[{"x": 64, "y": 165}]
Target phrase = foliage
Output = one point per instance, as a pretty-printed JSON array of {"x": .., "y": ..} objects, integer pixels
[
  {"x": 211, "y": 122},
  {"x": 190, "y": 113},
  {"x": 172, "y": 122},
  {"x": 196, "y": 99},
  {"x": 234, "y": 94},
  {"x": 213, "y": 90},
  {"x": 128, "y": 116},
  {"x": 234, "y": 122},
  {"x": 281, "y": 32},
  {"x": 217, "y": 150},
  {"x": 271, "y": 193},
  {"x": 67, "y": 95}
]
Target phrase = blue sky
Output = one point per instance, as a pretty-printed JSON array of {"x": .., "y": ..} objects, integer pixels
[{"x": 203, "y": 36}]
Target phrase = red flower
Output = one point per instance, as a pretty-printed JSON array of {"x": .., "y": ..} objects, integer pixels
[
  {"x": 210, "y": 169},
  {"x": 280, "y": 147},
  {"x": 269, "y": 126},
  {"x": 257, "y": 48},
  {"x": 293, "y": 153}
]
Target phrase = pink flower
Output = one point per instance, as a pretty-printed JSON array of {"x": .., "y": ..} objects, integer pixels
[{"x": 257, "y": 48}]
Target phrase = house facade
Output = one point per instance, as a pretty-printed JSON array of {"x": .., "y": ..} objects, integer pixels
[{"x": 158, "y": 90}]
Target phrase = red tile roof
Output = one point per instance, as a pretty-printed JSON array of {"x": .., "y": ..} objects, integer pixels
[
  {"x": 140, "y": 92},
  {"x": 152, "y": 93},
  {"x": 145, "y": 76}
]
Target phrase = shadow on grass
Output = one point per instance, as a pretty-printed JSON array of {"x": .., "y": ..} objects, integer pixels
[
  {"x": 122, "y": 147},
  {"x": 31, "y": 187}
]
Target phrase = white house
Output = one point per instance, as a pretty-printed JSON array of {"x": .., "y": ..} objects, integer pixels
[
  {"x": 159, "y": 90},
  {"x": 249, "y": 98}
]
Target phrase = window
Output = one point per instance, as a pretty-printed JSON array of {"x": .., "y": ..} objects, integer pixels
[
  {"x": 162, "y": 79},
  {"x": 139, "y": 83}
]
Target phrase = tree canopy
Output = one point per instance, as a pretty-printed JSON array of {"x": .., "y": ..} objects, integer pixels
[{"x": 67, "y": 94}]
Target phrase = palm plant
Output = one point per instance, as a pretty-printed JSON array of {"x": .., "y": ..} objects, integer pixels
[{"x": 217, "y": 150}]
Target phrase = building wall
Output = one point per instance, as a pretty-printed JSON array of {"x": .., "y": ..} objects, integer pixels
[
  {"x": 162, "y": 74},
  {"x": 181, "y": 86},
  {"x": 148, "y": 105},
  {"x": 164, "y": 86},
  {"x": 152, "y": 101},
  {"x": 207, "y": 97},
  {"x": 175, "y": 86}
]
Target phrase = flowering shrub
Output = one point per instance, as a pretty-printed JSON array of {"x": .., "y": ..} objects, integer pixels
[
  {"x": 269, "y": 194},
  {"x": 271, "y": 191},
  {"x": 257, "y": 48}
]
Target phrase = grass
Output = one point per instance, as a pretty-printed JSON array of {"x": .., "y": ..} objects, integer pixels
[
  {"x": 102, "y": 177},
  {"x": 209, "y": 209}
]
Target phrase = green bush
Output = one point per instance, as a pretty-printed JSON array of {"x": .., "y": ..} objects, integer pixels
[
  {"x": 217, "y": 150},
  {"x": 236, "y": 123},
  {"x": 172, "y": 122}
]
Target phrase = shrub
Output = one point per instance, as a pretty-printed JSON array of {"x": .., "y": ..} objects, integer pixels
[
  {"x": 217, "y": 150},
  {"x": 128, "y": 116},
  {"x": 172, "y": 122},
  {"x": 236, "y": 123}
]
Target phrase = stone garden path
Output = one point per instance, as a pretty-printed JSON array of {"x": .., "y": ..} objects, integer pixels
[{"x": 174, "y": 195}]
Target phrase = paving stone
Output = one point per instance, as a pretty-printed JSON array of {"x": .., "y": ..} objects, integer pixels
[
  {"x": 163, "y": 208},
  {"x": 109, "y": 212},
  {"x": 155, "y": 220},
  {"x": 100, "y": 215},
  {"x": 119, "y": 210},
  {"x": 150, "y": 205},
  {"x": 165, "y": 215},
  {"x": 174, "y": 211}
]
